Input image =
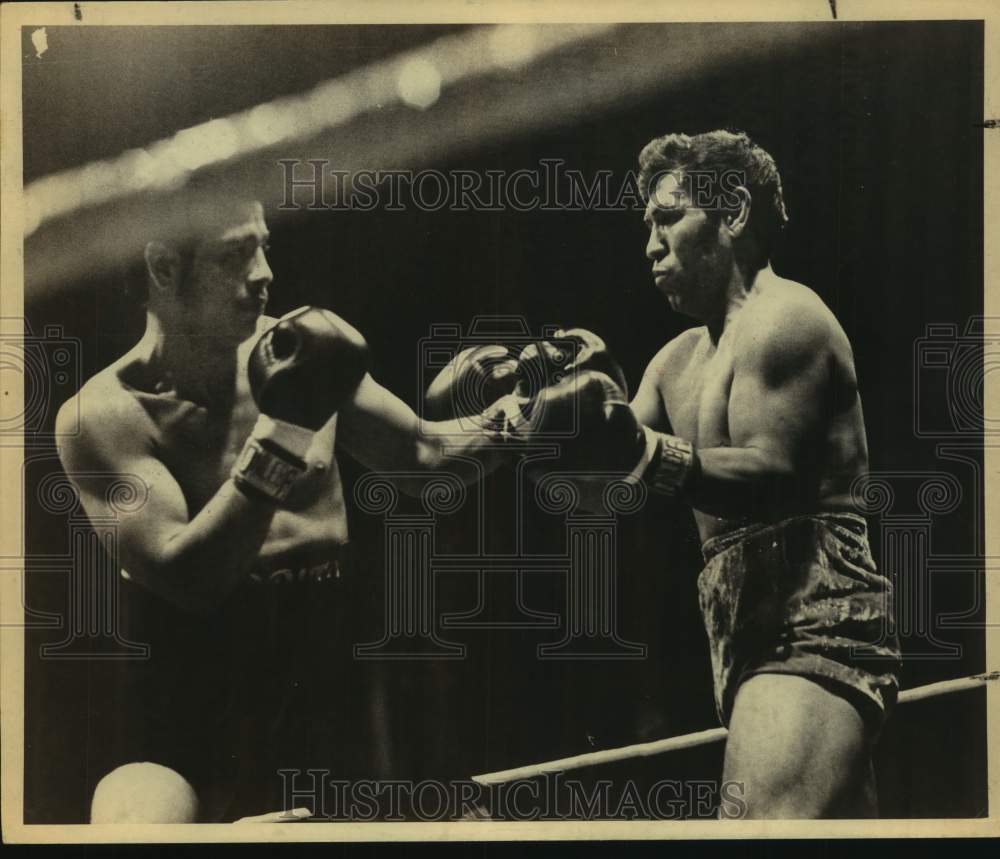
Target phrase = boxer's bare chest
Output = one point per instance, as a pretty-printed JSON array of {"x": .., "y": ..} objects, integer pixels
[
  {"x": 199, "y": 444},
  {"x": 695, "y": 387}
]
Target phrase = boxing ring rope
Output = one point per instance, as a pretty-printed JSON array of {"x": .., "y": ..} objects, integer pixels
[{"x": 702, "y": 738}]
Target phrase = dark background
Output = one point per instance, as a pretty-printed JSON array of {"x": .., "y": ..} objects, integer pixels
[{"x": 875, "y": 133}]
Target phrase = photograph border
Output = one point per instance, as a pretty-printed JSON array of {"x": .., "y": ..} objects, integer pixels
[{"x": 14, "y": 16}]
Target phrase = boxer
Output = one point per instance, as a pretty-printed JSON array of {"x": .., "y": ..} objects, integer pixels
[
  {"x": 235, "y": 568},
  {"x": 753, "y": 418}
]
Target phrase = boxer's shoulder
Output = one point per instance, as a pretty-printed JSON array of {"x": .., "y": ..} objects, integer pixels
[
  {"x": 103, "y": 417},
  {"x": 785, "y": 305},
  {"x": 678, "y": 352},
  {"x": 783, "y": 324}
]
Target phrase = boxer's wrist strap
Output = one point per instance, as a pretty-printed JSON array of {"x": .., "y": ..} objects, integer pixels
[
  {"x": 262, "y": 470},
  {"x": 669, "y": 463},
  {"x": 648, "y": 454}
]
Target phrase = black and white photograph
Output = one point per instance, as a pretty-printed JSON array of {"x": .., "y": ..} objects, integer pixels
[{"x": 494, "y": 421}]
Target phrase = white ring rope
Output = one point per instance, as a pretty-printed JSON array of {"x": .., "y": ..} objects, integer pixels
[{"x": 702, "y": 738}]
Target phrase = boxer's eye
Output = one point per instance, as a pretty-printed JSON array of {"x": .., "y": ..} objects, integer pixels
[
  {"x": 240, "y": 252},
  {"x": 666, "y": 217}
]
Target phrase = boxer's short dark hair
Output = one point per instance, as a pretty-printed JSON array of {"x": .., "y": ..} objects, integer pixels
[
  {"x": 717, "y": 154},
  {"x": 136, "y": 275},
  {"x": 207, "y": 187}
]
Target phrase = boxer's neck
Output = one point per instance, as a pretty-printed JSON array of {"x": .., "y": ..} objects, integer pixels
[
  {"x": 741, "y": 284},
  {"x": 198, "y": 366}
]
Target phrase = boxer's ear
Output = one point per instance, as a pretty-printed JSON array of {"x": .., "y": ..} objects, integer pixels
[
  {"x": 163, "y": 266},
  {"x": 738, "y": 219}
]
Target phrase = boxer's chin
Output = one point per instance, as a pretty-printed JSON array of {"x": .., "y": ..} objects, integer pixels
[{"x": 238, "y": 330}]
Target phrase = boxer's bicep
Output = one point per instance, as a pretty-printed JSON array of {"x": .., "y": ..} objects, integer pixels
[
  {"x": 647, "y": 404},
  {"x": 146, "y": 535},
  {"x": 778, "y": 393},
  {"x": 117, "y": 478}
]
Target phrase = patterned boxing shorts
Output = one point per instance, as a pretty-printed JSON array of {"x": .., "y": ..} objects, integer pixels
[{"x": 801, "y": 596}]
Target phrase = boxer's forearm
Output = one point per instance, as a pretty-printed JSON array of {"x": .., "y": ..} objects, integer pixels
[
  {"x": 384, "y": 434},
  {"x": 739, "y": 481},
  {"x": 204, "y": 561},
  {"x": 445, "y": 443}
]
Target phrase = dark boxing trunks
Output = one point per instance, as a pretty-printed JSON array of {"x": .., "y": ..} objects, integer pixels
[
  {"x": 801, "y": 596},
  {"x": 232, "y": 698}
]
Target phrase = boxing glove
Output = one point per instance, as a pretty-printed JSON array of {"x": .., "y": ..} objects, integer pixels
[
  {"x": 301, "y": 371},
  {"x": 305, "y": 366},
  {"x": 540, "y": 365},
  {"x": 589, "y": 417},
  {"x": 547, "y": 363},
  {"x": 592, "y": 354},
  {"x": 472, "y": 381}
]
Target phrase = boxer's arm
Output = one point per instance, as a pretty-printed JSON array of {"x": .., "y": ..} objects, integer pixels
[
  {"x": 384, "y": 434},
  {"x": 776, "y": 412},
  {"x": 194, "y": 563},
  {"x": 647, "y": 404}
]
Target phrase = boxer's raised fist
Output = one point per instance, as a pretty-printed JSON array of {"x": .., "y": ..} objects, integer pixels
[
  {"x": 306, "y": 366},
  {"x": 592, "y": 354},
  {"x": 588, "y": 415},
  {"x": 471, "y": 382},
  {"x": 540, "y": 365},
  {"x": 301, "y": 371}
]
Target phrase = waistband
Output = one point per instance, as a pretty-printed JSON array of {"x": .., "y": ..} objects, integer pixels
[
  {"x": 714, "y": 545},
  {"x": 334, "y": 565}
]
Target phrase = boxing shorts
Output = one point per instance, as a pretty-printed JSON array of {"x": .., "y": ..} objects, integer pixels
[
  {"x": 801, "y": 596},
  {"x": 231, "y": 698}
]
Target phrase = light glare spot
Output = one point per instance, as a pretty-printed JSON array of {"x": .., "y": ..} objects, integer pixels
[{"x": 419, "y": 83}]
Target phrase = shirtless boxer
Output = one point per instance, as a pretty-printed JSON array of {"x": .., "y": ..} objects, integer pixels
[
  {"x": 754, "y": 419},
  {"x": 234, "y": 566},
  {"x": 765, "y": 392}
]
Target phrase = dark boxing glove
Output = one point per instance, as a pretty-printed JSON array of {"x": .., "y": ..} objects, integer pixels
[
  {"x": 593, "y": 354},
  {"x": 301, "y": 372},
  {"x": 574, "y": 350},
  {"x": 306, "y": 366},
  {"x": 539, "y": 366},
  {"x": 588, "y": 415},
  {"x": 471, "y": 382}
]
